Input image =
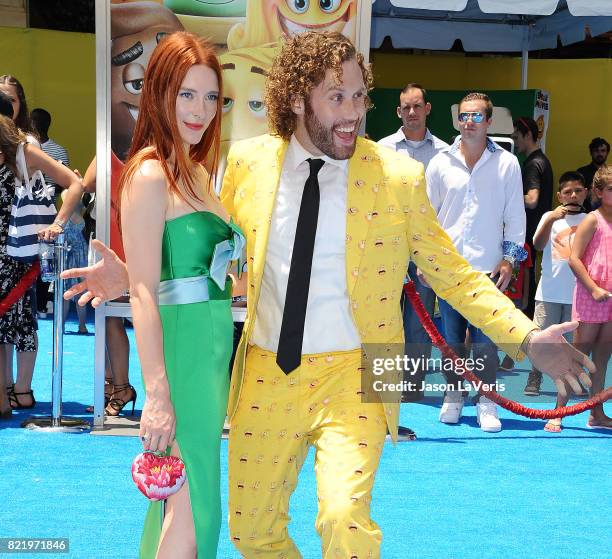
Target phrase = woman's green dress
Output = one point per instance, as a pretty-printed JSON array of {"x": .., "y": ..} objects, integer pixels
[{"x": 197, "y": 349}]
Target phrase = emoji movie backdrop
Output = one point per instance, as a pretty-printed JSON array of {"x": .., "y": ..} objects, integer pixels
[{"x": 247, "y": 34}]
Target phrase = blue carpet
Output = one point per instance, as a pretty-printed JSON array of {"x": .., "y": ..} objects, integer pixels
[{"x": 456, "y": 493}]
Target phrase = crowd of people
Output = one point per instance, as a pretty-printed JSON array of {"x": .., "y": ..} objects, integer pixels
[
  {"x": 326, "y": 222},
  {"x": 499, "y": 215}
]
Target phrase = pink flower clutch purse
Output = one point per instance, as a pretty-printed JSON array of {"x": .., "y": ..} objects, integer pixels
[{"x": 158, "y": 476}]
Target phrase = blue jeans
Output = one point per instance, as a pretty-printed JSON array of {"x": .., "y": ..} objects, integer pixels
[
  {"x": 417, "y": 342},
  {"x": 455, "y": 326}
]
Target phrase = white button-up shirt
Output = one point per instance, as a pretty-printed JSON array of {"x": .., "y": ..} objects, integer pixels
[
  {"x": 422, "y": 151},
  {"x": 479, "y": 209},
  {"x": 329, "y": 323}
]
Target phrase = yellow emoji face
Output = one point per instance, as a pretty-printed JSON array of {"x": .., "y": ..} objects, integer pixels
[
  {"x": 270, "y": 20},
  {"x": 297, "y": 16},
  {"x": 540, "y": 122},
  {"x": 244, "y": 77}
]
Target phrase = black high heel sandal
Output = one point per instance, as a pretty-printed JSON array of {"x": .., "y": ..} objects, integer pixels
[
  {"x": 115, "y": 405},
  {"x": 14, "y": 400}
]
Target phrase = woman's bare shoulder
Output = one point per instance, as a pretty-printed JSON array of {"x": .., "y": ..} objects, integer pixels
[
  {"x": 147, "y": 182},
  {"x": 151, "y": 169}
]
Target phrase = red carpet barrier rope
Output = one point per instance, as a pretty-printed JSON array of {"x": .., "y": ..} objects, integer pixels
[
  {"x": 19, "y": 290},
  {"x": 514, "y": 407}
]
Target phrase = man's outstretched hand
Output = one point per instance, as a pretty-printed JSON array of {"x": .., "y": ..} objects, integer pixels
[
  {"x": 550, "y": 353},
  {"x": 104, "y": 281}
]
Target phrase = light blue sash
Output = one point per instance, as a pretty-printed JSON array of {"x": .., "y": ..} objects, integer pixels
[
  {"x": 184, "y": 291},
  {"x": 224, "y": 253}
]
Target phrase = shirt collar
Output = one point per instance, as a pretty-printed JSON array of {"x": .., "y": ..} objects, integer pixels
[
  {"x": 454, "y": 147},
  {"x": 298, "y": 154},
  {"x": 492, "y": 146},
  {"x": 399, "y": 136}
]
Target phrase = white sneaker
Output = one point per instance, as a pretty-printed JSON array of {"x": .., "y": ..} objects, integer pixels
[
  {"x": 486, "y": 414},
  {"x": 451, "y": 407}
]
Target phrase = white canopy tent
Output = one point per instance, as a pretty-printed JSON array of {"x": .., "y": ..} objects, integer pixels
[
  {"x": 527, "y": 7},
  {"x": 488, "y": 25}
]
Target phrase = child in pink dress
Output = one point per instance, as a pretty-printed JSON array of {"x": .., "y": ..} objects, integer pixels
[{"x": 591, "y": 262}]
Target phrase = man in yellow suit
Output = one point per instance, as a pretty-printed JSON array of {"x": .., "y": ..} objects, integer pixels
[{"x": 331, "y": 221}]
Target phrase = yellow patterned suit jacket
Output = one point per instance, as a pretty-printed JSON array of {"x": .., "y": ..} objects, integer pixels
[{"x": 389, "y": 221}]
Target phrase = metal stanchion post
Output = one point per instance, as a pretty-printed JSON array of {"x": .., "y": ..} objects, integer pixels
[
  {"x": 58, "y": 333},
  {"x": 52, "y": 267}
]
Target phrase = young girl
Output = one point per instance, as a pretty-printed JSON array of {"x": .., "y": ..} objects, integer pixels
[{"x": 591, "y": 262}]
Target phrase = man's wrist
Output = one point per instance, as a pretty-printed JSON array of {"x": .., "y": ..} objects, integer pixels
[
  {"x": 525, "y": 343},
  {"x": 510, "y": 259},
  {"x": 513, "y": 253}
]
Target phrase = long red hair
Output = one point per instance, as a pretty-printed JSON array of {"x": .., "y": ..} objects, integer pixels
[{"x": 156, "y": 135}]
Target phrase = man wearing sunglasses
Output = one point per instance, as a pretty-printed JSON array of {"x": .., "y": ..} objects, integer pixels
[{"x": 475, "y": 189}]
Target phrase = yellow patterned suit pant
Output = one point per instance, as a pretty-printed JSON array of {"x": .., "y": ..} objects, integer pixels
[{"x": 277, "y": 418}]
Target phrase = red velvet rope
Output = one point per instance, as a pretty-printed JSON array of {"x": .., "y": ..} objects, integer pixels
[
  {"x": 514, "y": 407},
  {"x": 19, "y": 290}
]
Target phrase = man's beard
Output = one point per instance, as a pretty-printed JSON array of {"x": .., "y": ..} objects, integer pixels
[
  {"x": 600, "y": 159},
  {"x": 323, "y": 138},
  {"x": 416, "y": 125}
]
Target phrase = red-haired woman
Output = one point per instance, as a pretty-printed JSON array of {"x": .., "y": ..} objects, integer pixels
[{"x": 178, "y": 243}]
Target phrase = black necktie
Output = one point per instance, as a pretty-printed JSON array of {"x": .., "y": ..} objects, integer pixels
[{"x": 294, "y": 314}]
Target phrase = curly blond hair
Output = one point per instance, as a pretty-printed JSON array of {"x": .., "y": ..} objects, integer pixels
[
  {"x": 602, "y": 177},
  {"x": 299, "y": 68}
]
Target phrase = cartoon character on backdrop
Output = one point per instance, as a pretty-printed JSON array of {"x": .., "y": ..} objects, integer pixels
[
  {"x": 136, "y": 28},
  {"x": 268, "y": 20},
  {"x": 541, "y": 125},
  {"x": 244, "y": 76},
  {"x": 211, "y": 8},
  {"x": 209, "y": 18}
]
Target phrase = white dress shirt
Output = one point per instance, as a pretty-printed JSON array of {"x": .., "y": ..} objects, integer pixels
[
  {"x": 329, "y": 323},
  {"x": 479, "y": 209},
  {"x": 422, "y": 151}
]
